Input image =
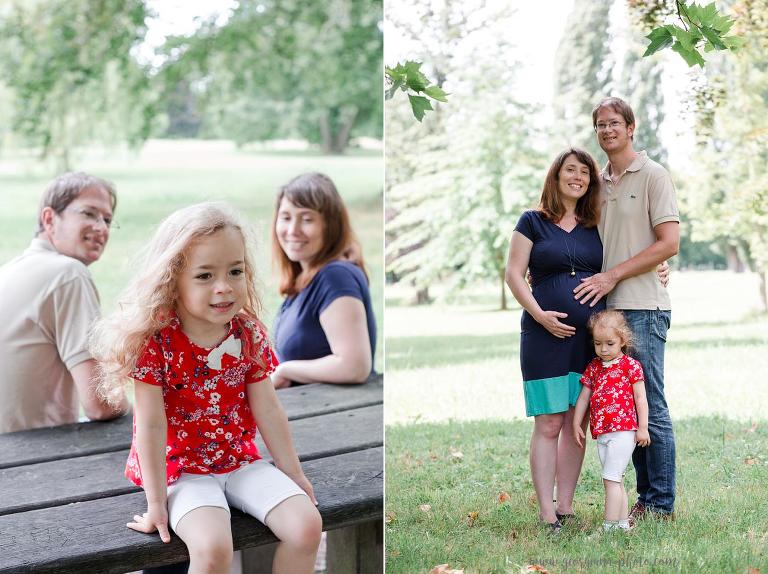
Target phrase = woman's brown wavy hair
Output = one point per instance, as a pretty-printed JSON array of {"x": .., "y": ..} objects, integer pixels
[
  {"x": 588, "y": 205},
  {"x": 315, "y": 191}
]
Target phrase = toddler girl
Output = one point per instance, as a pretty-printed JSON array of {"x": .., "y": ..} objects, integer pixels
[
  {"x": 614, "y": 391},
  {"x": 187, "y": 332}
]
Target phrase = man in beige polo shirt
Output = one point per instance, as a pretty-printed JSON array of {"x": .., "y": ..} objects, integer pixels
[
  {"x": 639, "y": 226},
  {"x": 47, "y": 306}
]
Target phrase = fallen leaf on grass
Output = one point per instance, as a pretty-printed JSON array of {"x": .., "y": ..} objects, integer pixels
[
  {"x": 753, "y": 428},
  {"x": 425, "y": 507},
  {"x": 471, "y": 518},
  {"x": 536, "y": 568},
  {"x": 393, "y": 553},
  {"x": 753, "y": 570},
  {"x": 503, "y": 497},
  {"x": 729, "y": 436},
  {"x": 513, "y": 536},
  {"x": 456, "y": 454},
  {"x": 444, "y": 569},
  {"x": 750, "y": 461},
  {"x": 390, "y": 517},
  {"x": 433, "y": 456}
]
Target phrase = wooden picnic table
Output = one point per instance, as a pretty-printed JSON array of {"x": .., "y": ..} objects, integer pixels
[{"x": 64, "y": 500}]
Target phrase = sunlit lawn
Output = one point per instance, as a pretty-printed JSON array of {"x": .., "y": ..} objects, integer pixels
[
  {"x": 167, "y": 175},
  {"x": 441, "y": 359},
  {"x": 457, "y": 438}
]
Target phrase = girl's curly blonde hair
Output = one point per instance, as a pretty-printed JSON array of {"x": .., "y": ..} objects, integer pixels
[
  {"x": 612, "y": 319},
  {"x": 147, "y": 304}
]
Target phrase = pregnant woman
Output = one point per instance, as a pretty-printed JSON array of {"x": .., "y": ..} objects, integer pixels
[
  {"x": 559, "y": 243},
  {"x": 325, "y": 330}
]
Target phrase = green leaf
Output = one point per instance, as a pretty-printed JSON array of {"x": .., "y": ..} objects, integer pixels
[
  {"x": 691, "y": 56},
  {"x": 396, "y": 85},
  {"x": 709, "y": 13},
  {"x": 419, "y": 105},
  {"x": 713, "y": 37},
  {"x": 415, "y": 80},
  {"x": 733, "y": 43},
  {"x": 436, "y": 93},
  {"x": 722, "y": 23},
  {"x": 660, "y": 38},
  {"x": 684, "y": 37},
  {"x": 690, "y": 13}
]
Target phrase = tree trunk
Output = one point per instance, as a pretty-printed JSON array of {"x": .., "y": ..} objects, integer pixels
[
  {"x": 733, "y": 260},
  {"x": 503, "y": 293},
  {"x": 342, "y": 136},
  {"x": 764, "y": 288},
  {"x": 422, "y": 296},
  {"x": 326, "y": 135}
]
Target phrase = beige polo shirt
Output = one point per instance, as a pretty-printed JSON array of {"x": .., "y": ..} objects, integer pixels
[
  {"x": 643, "y": 198},
  {"x": 47, "y": 307}
]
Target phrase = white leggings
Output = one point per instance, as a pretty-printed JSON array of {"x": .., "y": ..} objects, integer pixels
[
  {"x": 615, "y": 449},
  {"x": 255, "y": 489}
]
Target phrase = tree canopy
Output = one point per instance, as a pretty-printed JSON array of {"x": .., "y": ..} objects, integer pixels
[
  {"x": 289, "y": 68},
  {"x": 72, "y": 77}
]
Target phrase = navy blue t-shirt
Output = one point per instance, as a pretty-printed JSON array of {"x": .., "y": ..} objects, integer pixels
[{"x": 297, "y": 332}]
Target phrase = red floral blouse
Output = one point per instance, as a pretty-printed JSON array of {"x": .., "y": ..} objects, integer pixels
[
  {"x": 612, "y": 404},
  {"x": 210, "y": 425}
]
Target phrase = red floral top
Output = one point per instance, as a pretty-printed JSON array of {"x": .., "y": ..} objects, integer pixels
[
  {"x": 210, "y": 425},
  {"x": 612, "y": 405}
]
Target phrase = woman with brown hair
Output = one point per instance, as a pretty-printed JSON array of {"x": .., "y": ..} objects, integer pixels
[
  {"x": 325, "y": 330},
  {"x": 560, "y": 245}
]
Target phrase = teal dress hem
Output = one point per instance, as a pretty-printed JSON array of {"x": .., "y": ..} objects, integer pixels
[{"x": 551, "y": 395}]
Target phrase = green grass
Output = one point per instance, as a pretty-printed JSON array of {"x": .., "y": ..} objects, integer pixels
[
  {"x": 167, "y": 175},
  {"x": 720, "y": 526},
  {"x": 454, "y": 385}
]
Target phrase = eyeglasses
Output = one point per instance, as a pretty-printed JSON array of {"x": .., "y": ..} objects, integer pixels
[
  {"x": 95, "y": 218},
  {"x": 601, "y": 127}
]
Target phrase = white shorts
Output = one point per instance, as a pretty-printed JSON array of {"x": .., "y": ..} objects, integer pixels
[
  {"x": 255, "y": 489},
  {"x": 615, "y": 449}
]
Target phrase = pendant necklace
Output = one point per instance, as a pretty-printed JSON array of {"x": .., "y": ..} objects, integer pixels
[{"x": 571, "y": 258}]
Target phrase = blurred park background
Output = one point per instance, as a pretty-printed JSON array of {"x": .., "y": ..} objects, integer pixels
[
  {"x": 522, "y": 78},
  {"x": 178, "y": 102}
]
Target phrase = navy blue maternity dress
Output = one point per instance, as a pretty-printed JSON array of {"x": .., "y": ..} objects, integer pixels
[{"x": 552, "y": 366}]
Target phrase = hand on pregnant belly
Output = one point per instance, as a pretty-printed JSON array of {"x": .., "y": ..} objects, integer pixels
[
  {"x": 595, "y": 288},
  {"x": 550, "y": 320}
]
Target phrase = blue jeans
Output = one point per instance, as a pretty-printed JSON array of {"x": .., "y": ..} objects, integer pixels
[{"x": 654, "y": 464}]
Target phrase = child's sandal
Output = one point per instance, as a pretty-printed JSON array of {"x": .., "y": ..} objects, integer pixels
[{"x": 554, "y": 527}]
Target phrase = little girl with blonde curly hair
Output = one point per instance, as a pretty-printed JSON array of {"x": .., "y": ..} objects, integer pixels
[
  {"x": 614, "y": 392},
  {"x": 187, "y": 332}
]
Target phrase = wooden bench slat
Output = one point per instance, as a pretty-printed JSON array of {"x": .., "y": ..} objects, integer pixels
[
  {"x": 82, "y": 439},
  {"x": 91, "y": 536},
  {"x": 97, "y": 476}
]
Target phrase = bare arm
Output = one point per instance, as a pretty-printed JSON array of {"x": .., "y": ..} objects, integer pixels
[
  {"x": 151, "y": 433},
  {"x": 273, "y": 426},
  {"x": 517, "y": 263},
  {"x": 96, "y": 408},
  {"x": 582, "y": 404},
  {"x": 642, "y": 437},
  {"x": 346, "y": 328},
  {"x": 666, "y": 245}
]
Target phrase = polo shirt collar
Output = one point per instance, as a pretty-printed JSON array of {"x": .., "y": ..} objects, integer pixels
[
  {"x": 40, "y": 244},
  {"x": 636, "y": 165}
]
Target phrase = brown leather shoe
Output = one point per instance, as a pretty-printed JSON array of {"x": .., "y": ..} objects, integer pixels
[
  {"x": 640, "y": 511},
  {"x": 637, "y": 513}
]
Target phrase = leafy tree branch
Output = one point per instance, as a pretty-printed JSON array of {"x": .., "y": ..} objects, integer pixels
[
  {"x": 703, "y": 28},
  {"x": 408, "y": 78}
]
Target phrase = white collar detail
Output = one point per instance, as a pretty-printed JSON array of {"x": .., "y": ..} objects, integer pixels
[{"x": 230, "y": 346}]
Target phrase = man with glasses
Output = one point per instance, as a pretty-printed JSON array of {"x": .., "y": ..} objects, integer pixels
[
  {"x": 639, "y": 226},
  {"x": 48, "y": 304}
]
